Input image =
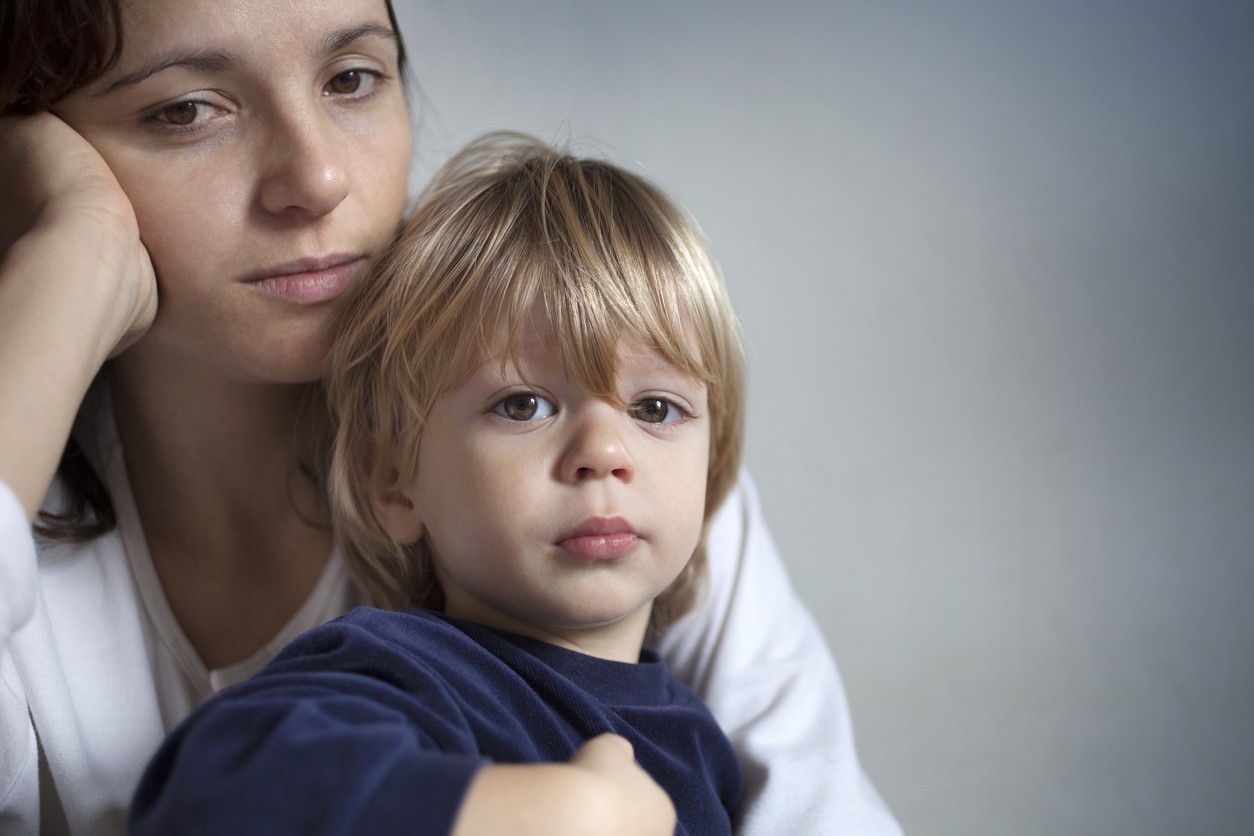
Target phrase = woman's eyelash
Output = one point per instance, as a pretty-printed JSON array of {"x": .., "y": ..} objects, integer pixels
[
  {"x": 351, "y": 80},
  {"x": 354, "y": 76},
  {"x": 158, "y": 116}
]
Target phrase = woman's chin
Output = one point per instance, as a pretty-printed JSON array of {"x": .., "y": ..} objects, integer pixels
[{"x": 291, "y": 354}]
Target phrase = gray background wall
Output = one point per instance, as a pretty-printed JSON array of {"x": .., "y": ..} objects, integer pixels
[{"x": 996, "y": 264}]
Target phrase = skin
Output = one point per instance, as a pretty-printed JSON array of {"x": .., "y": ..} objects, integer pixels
[
  {"x": 128, "y": 235},
  {"x": 277, "y": 140},
  {"x": 551, "y": 512},
  {"x": 71, "y": 264},
  {"x": 264, "y": 146}
]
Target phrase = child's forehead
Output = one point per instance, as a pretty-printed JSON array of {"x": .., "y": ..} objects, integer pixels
[
  {"x": 541, "y": 348},
  {"x": 536, "y": 344}
]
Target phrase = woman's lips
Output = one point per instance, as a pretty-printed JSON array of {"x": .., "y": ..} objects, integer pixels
[
  {"x": 599, "y": 539},
  {"x": 308, "y": 280}
]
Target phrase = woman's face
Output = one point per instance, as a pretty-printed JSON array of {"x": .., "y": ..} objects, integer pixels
[{"x": 265, "y": 147}]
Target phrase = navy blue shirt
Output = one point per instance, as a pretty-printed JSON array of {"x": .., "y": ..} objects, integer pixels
[{"x": 378, "y": 721}]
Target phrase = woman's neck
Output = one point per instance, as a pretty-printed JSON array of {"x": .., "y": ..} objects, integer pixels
[{"x": 222, "y": 474}]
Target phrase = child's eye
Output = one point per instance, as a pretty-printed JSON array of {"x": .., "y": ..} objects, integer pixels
[
  {"x": 525, "y": 406},
  {"x": 655, "y": 411}
]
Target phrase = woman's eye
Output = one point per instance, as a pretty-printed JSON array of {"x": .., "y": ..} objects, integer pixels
[
  {"x": 656, "y": 411},
  {"x": 351, "y": 83},
  {"x": 185, "y": 116},
  {"x": 525, "y": 406},
  {"x": 182, "y": 114}
]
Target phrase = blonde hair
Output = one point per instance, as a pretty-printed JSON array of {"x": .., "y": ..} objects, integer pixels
[{"x": 511, "y": 225}]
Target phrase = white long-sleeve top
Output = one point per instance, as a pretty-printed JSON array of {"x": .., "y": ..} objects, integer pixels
[{"x": 95, "y": 670}]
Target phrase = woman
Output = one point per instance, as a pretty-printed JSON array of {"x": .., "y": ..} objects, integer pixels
[{"x": 243, "y": 161}]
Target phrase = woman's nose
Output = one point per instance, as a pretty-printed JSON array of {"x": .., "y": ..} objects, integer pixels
[{"x": 306, "y": 174}]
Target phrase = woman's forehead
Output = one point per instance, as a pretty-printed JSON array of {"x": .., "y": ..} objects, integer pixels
[{"x": 203, "y": 33}]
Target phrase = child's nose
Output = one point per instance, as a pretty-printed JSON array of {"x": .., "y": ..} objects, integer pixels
[{"x": 598, "y": 449}]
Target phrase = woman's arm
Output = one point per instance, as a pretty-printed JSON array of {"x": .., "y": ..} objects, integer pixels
[
  {"x": 75, "y": 285},
  {"x": 19, "y": 785},
  {"x": 754, "y": 654}
]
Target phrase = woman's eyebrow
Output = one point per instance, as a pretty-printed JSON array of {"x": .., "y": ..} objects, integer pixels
[
  {"x": 336, "y": 41},
  {"x": 202, "y": 60},
  {"x": 216, "y": 60}
]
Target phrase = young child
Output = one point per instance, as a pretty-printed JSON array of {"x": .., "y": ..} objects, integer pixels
[{"x": 538, "y": 405}]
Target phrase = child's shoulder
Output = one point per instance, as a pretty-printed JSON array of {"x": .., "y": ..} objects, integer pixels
[
  {"x": 409, "y": 630},
  {"x": 370, "y": 641}
]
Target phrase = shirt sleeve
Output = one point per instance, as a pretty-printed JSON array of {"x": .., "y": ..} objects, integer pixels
[
  {"x": 19, "y": 787},
  {"x": 752, "y": 651},
  {"x": 17, "y": 566},
  {"x": 297, "y": 749}
]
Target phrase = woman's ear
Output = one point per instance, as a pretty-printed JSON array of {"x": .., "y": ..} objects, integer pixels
[{"x": 396, "y": 510}]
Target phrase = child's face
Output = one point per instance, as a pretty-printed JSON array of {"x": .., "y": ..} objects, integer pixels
[{"x": 554, "y": 514}]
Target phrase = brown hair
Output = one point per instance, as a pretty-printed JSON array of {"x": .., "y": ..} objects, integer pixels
[
  {"x": 50, "y": 49},
  {"x": 54, "y": 47},
  {"x": 508, "y": 226}
]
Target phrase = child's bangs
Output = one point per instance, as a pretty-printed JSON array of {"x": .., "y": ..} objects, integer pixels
[
  {"x": 604, "y": 264},
  {"x": 569, "y": 251},
  {"x": 591, "y": 326}
]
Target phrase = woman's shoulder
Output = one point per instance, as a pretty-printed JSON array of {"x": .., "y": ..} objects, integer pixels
[
  {"x": 33, "y": 566},
  {"x": 736, "y": 521},
  {"x": 17, "y": 565}
]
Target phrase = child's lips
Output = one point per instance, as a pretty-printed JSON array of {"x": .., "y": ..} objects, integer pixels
[{"x": 600, "y": 538}]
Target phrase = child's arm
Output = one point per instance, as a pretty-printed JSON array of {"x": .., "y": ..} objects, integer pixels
[
  {"x": 348, "y": 770},
  {"x": 374, "y": 746},
  {"x": 602, "y": 791}
]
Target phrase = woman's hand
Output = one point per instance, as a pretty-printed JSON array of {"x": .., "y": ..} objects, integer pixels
[
  {"x": 62, "y": 201},
  {"x": 76, "y": 287}
]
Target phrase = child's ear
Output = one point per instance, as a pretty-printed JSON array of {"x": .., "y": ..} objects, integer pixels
[{"x": 396, "y": 510}]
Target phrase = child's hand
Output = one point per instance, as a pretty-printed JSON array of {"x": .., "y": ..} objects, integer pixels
[
  {"x": 600, "y": 791},
  {"x": 642, "y": 806}
]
